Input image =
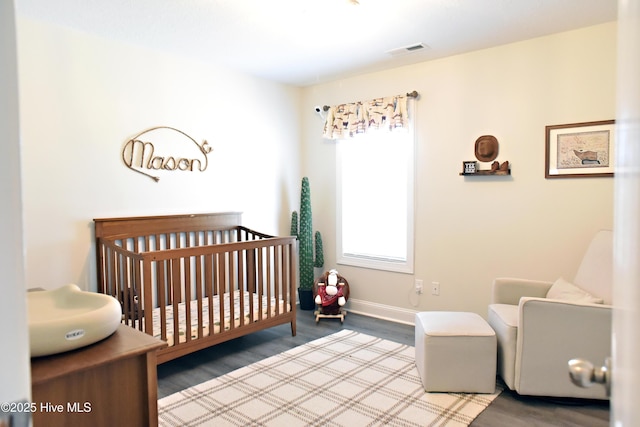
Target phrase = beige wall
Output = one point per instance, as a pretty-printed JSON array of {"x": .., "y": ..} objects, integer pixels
[
  {"x": 472, "y": 229},
  {"x": 82, "y": 98}
]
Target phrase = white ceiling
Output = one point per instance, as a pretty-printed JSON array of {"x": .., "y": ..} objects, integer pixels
[{"x": 303, "y": 42}]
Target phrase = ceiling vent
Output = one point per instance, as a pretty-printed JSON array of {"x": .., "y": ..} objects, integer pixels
[{"x": 408, "y": 49}]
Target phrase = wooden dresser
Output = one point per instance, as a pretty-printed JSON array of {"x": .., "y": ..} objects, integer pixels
[{"x": 110, "y": 383}]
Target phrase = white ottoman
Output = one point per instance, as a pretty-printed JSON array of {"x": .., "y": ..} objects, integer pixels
[{"x": 455, "y": 352}]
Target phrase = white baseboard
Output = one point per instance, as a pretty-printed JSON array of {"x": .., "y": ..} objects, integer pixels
[{"x": 381, "y": 311}]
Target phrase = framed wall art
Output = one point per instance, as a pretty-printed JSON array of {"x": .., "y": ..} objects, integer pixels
[
  {"x": 580, "y": 150},
  {"x": 469, "y": 167}
]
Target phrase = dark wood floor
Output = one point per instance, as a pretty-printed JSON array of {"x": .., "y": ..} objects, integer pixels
[{"x": 509, "y": 409}]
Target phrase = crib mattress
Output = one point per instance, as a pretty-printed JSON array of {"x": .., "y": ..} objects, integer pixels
[{"x": 268, "y": 309}]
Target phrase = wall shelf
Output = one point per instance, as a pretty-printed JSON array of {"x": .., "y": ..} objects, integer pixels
[{"x": 487, "y": 173}]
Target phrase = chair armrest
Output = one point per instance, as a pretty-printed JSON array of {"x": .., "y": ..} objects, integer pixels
[
  {"x": 508, "y": 290},
  {"x": 552, "y": 332}
]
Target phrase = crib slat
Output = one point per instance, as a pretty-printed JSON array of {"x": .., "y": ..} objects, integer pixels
[
  {"x": 112, "y": 276},
  {"x": 285, "y": 281},
  {"x": 220, "y": 264},
  {"x": 128, "y": 294},
  {"x": 184, "y": 294},
  {"x": 291, "y": 274},
  {"x": 242, "y": 287},
  {"x": 162, "y": 297},
  {"x": 185, "y": 267},
  {"x": 137, "y": 279},
  {"x": 231, "y": 285},
  {"x": 121, "y": 289},
  {"x": 209, "y": 279},
  {"x": 147, "y": 296},
  {"x": 174, "y": 287},
  {"x": 269, "y": 281},
  {"x": 260, "y": 282},
  {"x": 251, "y": 282},
  {"x": 199, "y": 284},
  {"x": 277, "y": 294}
]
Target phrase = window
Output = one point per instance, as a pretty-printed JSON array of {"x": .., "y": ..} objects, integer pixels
[{"x": 375, "y": 176}]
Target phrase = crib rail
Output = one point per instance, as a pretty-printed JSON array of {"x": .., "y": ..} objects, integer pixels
[{"x": 120, "y": 228}]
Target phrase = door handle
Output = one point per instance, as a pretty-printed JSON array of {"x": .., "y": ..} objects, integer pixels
[{"x": 584, "y": 374}]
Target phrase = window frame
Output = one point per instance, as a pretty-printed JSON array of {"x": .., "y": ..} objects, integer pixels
[{"x": 386, "y": 264}]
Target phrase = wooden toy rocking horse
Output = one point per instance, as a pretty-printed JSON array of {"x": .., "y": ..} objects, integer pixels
[{"x": 331, "y": 291}]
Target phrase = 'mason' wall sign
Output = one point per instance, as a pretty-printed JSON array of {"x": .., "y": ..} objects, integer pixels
[{"x": 164, "y": 148}]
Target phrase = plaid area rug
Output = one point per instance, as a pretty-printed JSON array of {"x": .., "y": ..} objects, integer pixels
[{"x": 345, "y": 379}]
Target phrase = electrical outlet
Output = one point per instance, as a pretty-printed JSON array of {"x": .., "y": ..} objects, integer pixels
[
  {"x": 435, "y": 288},
  {"x": 418, "y": 286}
]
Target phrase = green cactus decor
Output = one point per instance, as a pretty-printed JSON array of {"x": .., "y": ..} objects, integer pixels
[
  {"x": 306, "y": 237},
  {"x": 304, "y": 233},
  {"x": 319, "y": 262},
  {"x": 294, "y": 224}
]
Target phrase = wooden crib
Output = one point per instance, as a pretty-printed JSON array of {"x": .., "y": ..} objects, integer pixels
[{"x": 222, "y": 279}]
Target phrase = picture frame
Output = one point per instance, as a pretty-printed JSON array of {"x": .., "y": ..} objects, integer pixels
[
  {"x": 469, "y": 167},
  {"x": 579, "y": 150}
]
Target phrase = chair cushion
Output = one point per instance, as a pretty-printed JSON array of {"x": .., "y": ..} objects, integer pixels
[
  {"x": 563, "y": 290},
  {"x": 595, "y": 274},
  {"x": 503, "y": 318}
]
